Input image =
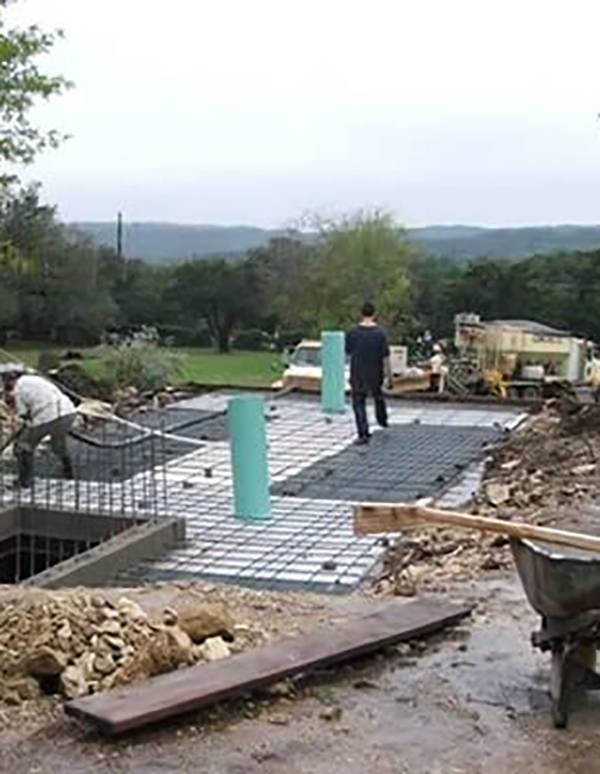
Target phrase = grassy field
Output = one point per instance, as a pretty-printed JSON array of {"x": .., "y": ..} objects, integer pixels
[
  {"x": 246, "y": 369},
  {"x": 204, "y": 366}
]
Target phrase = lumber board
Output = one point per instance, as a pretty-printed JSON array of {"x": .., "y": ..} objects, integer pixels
[
  {"x": 189, "y": 689},
  {"x": 378, "y": 518}
]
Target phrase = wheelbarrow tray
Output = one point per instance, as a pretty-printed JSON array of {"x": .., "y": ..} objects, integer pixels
[{"x": 559, "y": 582}]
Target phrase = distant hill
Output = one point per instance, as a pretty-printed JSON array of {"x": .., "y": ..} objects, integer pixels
[
  {"x": 168, "y": 242},
  {"x": 465, "y": 242}
]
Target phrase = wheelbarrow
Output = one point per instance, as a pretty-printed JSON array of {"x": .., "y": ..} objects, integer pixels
[{"x": 563, "y": 585}]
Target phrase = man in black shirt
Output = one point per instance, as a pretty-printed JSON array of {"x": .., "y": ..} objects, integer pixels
[{"x": 369, "y": 353}]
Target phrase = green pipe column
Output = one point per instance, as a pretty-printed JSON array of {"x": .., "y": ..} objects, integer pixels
[
  {"x": 250, "y": 468},
  {"x": 333, "y": 383}
]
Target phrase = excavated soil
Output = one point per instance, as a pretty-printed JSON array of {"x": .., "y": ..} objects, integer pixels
[
  {"x": 469, "y": 700},
  {"x": 75, "y": 642},
  {"x": 545, "y": 473}
]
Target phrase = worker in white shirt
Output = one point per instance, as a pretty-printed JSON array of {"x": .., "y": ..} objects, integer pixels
[
  {"x": 43, "y": 410},
  {"x": 438, "y": 369}
]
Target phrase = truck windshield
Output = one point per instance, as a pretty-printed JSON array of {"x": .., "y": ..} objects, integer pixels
[
  {"x": 307, "y": 356},
  {"x": 311, "y": 357}
]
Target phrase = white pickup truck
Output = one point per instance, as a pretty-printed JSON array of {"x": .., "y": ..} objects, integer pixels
[{"x": 304, "y": 371}]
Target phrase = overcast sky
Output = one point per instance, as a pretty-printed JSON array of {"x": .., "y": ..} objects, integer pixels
[{"x": 253, "y": 111}]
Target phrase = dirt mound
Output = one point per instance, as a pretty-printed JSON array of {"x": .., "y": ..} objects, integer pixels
[
  {"x": 78, "y": 643},
  {"x": 550, "y": 463}
]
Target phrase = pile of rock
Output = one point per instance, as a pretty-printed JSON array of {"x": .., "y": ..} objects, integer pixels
[{"x": 78, "y": 644}]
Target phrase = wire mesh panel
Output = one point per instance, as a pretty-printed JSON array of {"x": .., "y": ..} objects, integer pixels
[{"x": 117, "y": 470}]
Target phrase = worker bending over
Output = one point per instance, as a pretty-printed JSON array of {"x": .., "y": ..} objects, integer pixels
[
  {"x": 369, "y": 353},
  {"x": 43, "y": 410}
]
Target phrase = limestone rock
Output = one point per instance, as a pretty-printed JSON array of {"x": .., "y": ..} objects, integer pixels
[
  {"x": 110, "y": 627},
  {"x": 116, "y": 643},
  {"x": 170, "y": 616},
  {"x": 583, "y": 470},
  {"x": 130, "y": 609},
  {"x": 214, "y": 649},
  {"x": 200, "y": 622},
  {"x": 496, "y": 493},
  {"x": 170, "y": 648},
  {"x": 104, "y": 665},
  {"x": 90, "y": 644},
  {"x": 73, "y": 682},
  {"x": 45, "y": 662},
  {"x": 64, "y": 635}
]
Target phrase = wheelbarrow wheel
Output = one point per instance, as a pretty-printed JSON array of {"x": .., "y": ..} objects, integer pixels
[{"x": 559, "y": 688}]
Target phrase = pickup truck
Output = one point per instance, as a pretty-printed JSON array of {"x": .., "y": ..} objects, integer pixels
[{"x": 304, "y": 372}]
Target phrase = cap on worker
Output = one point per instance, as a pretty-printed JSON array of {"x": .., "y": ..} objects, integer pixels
[{"x": 8, "y": 370}]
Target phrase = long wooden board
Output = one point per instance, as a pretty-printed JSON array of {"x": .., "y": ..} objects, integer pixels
[
  {"x": 378, "y": 518},
  {"x": 195, "y": 687}
]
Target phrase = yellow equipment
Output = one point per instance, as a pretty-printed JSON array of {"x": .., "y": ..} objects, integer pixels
[{"x": 522, "y": 358}]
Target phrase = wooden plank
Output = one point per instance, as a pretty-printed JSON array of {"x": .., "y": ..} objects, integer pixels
[
  {"x": 195, "y": 687},
  {"x": 377, "y": 518}
]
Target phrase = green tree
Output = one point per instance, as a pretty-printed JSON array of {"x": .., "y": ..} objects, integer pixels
[
  {"x": 433, "y": 281},
  {"x": 50, "y": 275},
  {"x": 22, "y": 85},
  {"x": 363, "y": 257},
  {"x": 225, "y": 295},
  {"x": 282, "y": 269}
]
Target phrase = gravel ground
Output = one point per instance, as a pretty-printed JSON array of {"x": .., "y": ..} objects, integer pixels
[{"x": 472, "y": 699}]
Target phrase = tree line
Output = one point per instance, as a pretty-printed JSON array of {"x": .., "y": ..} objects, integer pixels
[{"x": 57, "y": 286}]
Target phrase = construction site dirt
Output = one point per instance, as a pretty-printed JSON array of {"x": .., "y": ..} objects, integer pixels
[{"x": 471, "y": 699}]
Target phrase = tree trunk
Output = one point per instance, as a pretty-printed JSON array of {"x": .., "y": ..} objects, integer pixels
[{"x": 223, "y": 342}]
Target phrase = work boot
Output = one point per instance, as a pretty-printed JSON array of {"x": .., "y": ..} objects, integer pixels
[{"x": 25, "y": 469}]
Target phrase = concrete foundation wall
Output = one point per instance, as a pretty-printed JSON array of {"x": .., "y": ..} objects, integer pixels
[{"x": 123, "y": 542}]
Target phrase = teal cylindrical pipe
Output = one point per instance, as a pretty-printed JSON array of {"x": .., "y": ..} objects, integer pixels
[
  {"x": 333, "y": 382},
  {"x": 249, "y": 463}
]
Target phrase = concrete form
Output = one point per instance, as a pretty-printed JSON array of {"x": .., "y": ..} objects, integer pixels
[{"x": 61, "y": 548}]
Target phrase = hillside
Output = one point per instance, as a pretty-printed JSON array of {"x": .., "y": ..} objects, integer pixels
[
  {"x": 168, "y": 242},
  {"x": 465, "y": 242}
]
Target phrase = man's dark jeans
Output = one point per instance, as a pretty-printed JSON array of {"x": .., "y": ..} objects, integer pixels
[
  {"x": 359, "y": 404},
  {"x": 31, "y": 437}
]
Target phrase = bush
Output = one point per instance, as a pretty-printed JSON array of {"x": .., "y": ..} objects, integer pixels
[
  {"x": 253, "y": 339},
  {"x": 47, "y": 361},
  {"x": 139, "y": 360}
]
